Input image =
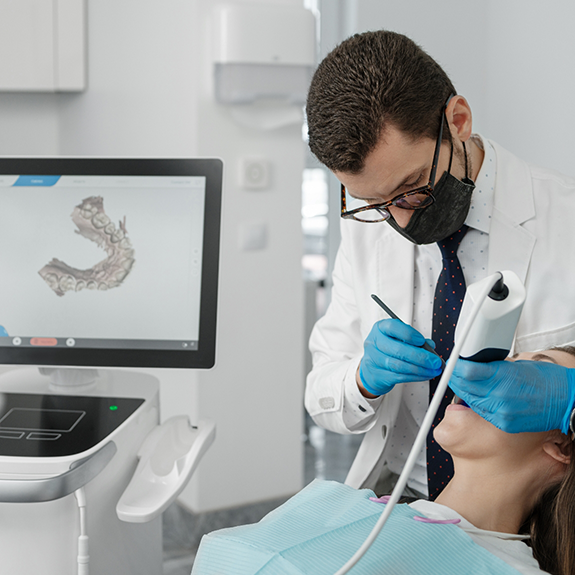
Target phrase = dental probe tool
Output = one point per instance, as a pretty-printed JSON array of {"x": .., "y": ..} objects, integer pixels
[{"x": 392, "y": 315}]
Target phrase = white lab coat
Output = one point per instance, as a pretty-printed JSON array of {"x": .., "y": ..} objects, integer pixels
[{"x": 532, "y": 233}]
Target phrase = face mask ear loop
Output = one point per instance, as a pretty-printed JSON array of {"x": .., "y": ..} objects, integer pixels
[
  {"x": 465, "y": 156},
  {"x": 451, "y": 143},
  {"x": 450, "y": 158}
]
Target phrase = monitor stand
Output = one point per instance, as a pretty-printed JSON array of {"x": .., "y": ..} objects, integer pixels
[
  {"x": 70, "y": 377},
  {"x": 77, "y": 429}
]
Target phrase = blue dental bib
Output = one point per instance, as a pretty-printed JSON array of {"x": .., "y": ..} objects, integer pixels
[{"x": 320, "y": 528}]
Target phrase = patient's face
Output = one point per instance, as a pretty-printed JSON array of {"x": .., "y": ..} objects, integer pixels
[
  {"x": 550, "y": 355},
  {"x": 465, "y": 434}
]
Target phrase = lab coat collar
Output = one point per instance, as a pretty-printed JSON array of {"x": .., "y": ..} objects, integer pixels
[
  {"x": 513, "y": 187},
  {"x": 510, "y": 244}
]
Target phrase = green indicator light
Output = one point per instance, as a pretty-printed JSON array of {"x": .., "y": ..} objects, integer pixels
[{"x": 113, "y": 407}]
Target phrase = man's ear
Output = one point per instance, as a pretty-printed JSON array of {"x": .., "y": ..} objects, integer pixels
[
  {"x": 458, "y": 114},
  {"x": 558, "y": 446}
]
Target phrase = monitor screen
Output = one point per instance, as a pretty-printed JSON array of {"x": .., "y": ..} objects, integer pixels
[{"x": 109, "y": 262}]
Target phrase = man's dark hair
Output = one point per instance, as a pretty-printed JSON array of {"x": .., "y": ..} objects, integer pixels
[{"x": 368, "y": 82}]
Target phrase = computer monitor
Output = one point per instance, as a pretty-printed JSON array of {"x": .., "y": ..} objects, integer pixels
[{"x": 109, "y": 261}]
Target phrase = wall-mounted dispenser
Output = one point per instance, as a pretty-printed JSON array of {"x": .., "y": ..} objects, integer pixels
[{"x": 263, "y": 52}]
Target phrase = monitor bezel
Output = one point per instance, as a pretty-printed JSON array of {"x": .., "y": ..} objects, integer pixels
[{"x": 204, "y": 356}]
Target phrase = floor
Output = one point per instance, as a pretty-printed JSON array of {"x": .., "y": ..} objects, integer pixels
[{"x": 327, "y": 456}]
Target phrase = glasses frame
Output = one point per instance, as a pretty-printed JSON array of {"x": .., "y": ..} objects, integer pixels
[{"x": 427, "y": 189}]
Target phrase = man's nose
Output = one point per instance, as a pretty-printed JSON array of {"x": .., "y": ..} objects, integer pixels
[{"x": 401, "y": 216}]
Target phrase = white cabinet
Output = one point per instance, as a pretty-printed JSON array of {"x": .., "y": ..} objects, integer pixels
[{"x": 42, "y": 45}]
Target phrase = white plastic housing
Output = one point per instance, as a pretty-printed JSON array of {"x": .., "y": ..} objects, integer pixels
[
  {"x": 264, "y": 34},
  {"x": 263, "y": 51},
  {"x": 494, "y": 328},
  {"x": 168, "y": 458},
  {"x": 43, "y": 537}
]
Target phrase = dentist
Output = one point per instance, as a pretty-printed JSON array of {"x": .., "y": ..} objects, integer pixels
[{"x": 428, "y": 207}]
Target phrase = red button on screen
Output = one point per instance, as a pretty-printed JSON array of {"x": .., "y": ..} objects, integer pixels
[{"x": 44, "y": 341}]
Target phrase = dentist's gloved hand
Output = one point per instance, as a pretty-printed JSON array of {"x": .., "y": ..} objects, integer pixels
[
  {"x": 393, "y": 354},
  {"x": 517, "y": 396}
]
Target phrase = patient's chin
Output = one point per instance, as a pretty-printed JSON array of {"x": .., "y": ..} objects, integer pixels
[
  {"x": 446, "y": 435},
  {"x": 466, "y": 435},
  {"x": 459, "y": 432}
]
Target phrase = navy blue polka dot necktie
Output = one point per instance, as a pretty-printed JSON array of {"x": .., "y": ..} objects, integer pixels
[{"x": 449, "y": 294}]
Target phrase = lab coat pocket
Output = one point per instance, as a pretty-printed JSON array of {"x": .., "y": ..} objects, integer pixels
[{"x": 564, "y": 335}]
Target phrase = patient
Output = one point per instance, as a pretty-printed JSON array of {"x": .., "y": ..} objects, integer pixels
[
  {"x": 508, "y": 491},
  {"x": 513, "y": 483}
]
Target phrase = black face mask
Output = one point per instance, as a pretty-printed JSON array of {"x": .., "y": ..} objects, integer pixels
[
  {"x": 447, "y": 213},
  {"x": 444, "y": 217}
]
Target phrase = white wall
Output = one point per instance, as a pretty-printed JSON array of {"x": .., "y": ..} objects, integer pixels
[
  {"x": 150, "y": 94},
  {"x": 142, "y": 96},
  {"x": 512, "y": 59},
  {"x": 28, "y": 124},
  {"x": 531, "y": 80},
  {"x": 255, "y": 392}
]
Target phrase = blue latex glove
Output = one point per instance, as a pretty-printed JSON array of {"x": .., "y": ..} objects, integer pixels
[
  {"x": 393, "y": 354},
  {"x": 3, "y": 332},
  {"x": 517, "y": 396}
]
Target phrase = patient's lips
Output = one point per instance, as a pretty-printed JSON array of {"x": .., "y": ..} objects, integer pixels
[
  {"x": 458, "y": 404},
  {"x": 456, "y": 407}
]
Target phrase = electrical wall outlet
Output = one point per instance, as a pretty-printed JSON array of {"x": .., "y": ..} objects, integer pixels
[
  {"x": 253, "y": 236},
  {"x": 254, "y": 173}
]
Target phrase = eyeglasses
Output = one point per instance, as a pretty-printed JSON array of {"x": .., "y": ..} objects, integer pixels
[{"x": 416, "y": 199}]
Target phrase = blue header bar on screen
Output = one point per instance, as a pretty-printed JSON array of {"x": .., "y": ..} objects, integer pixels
[{"x": 36, "y": 180}]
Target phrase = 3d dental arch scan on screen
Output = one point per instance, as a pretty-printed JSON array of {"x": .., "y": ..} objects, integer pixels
[
  {"x": 93, "y": 224},
  {"x": 116, "y": 261}
]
